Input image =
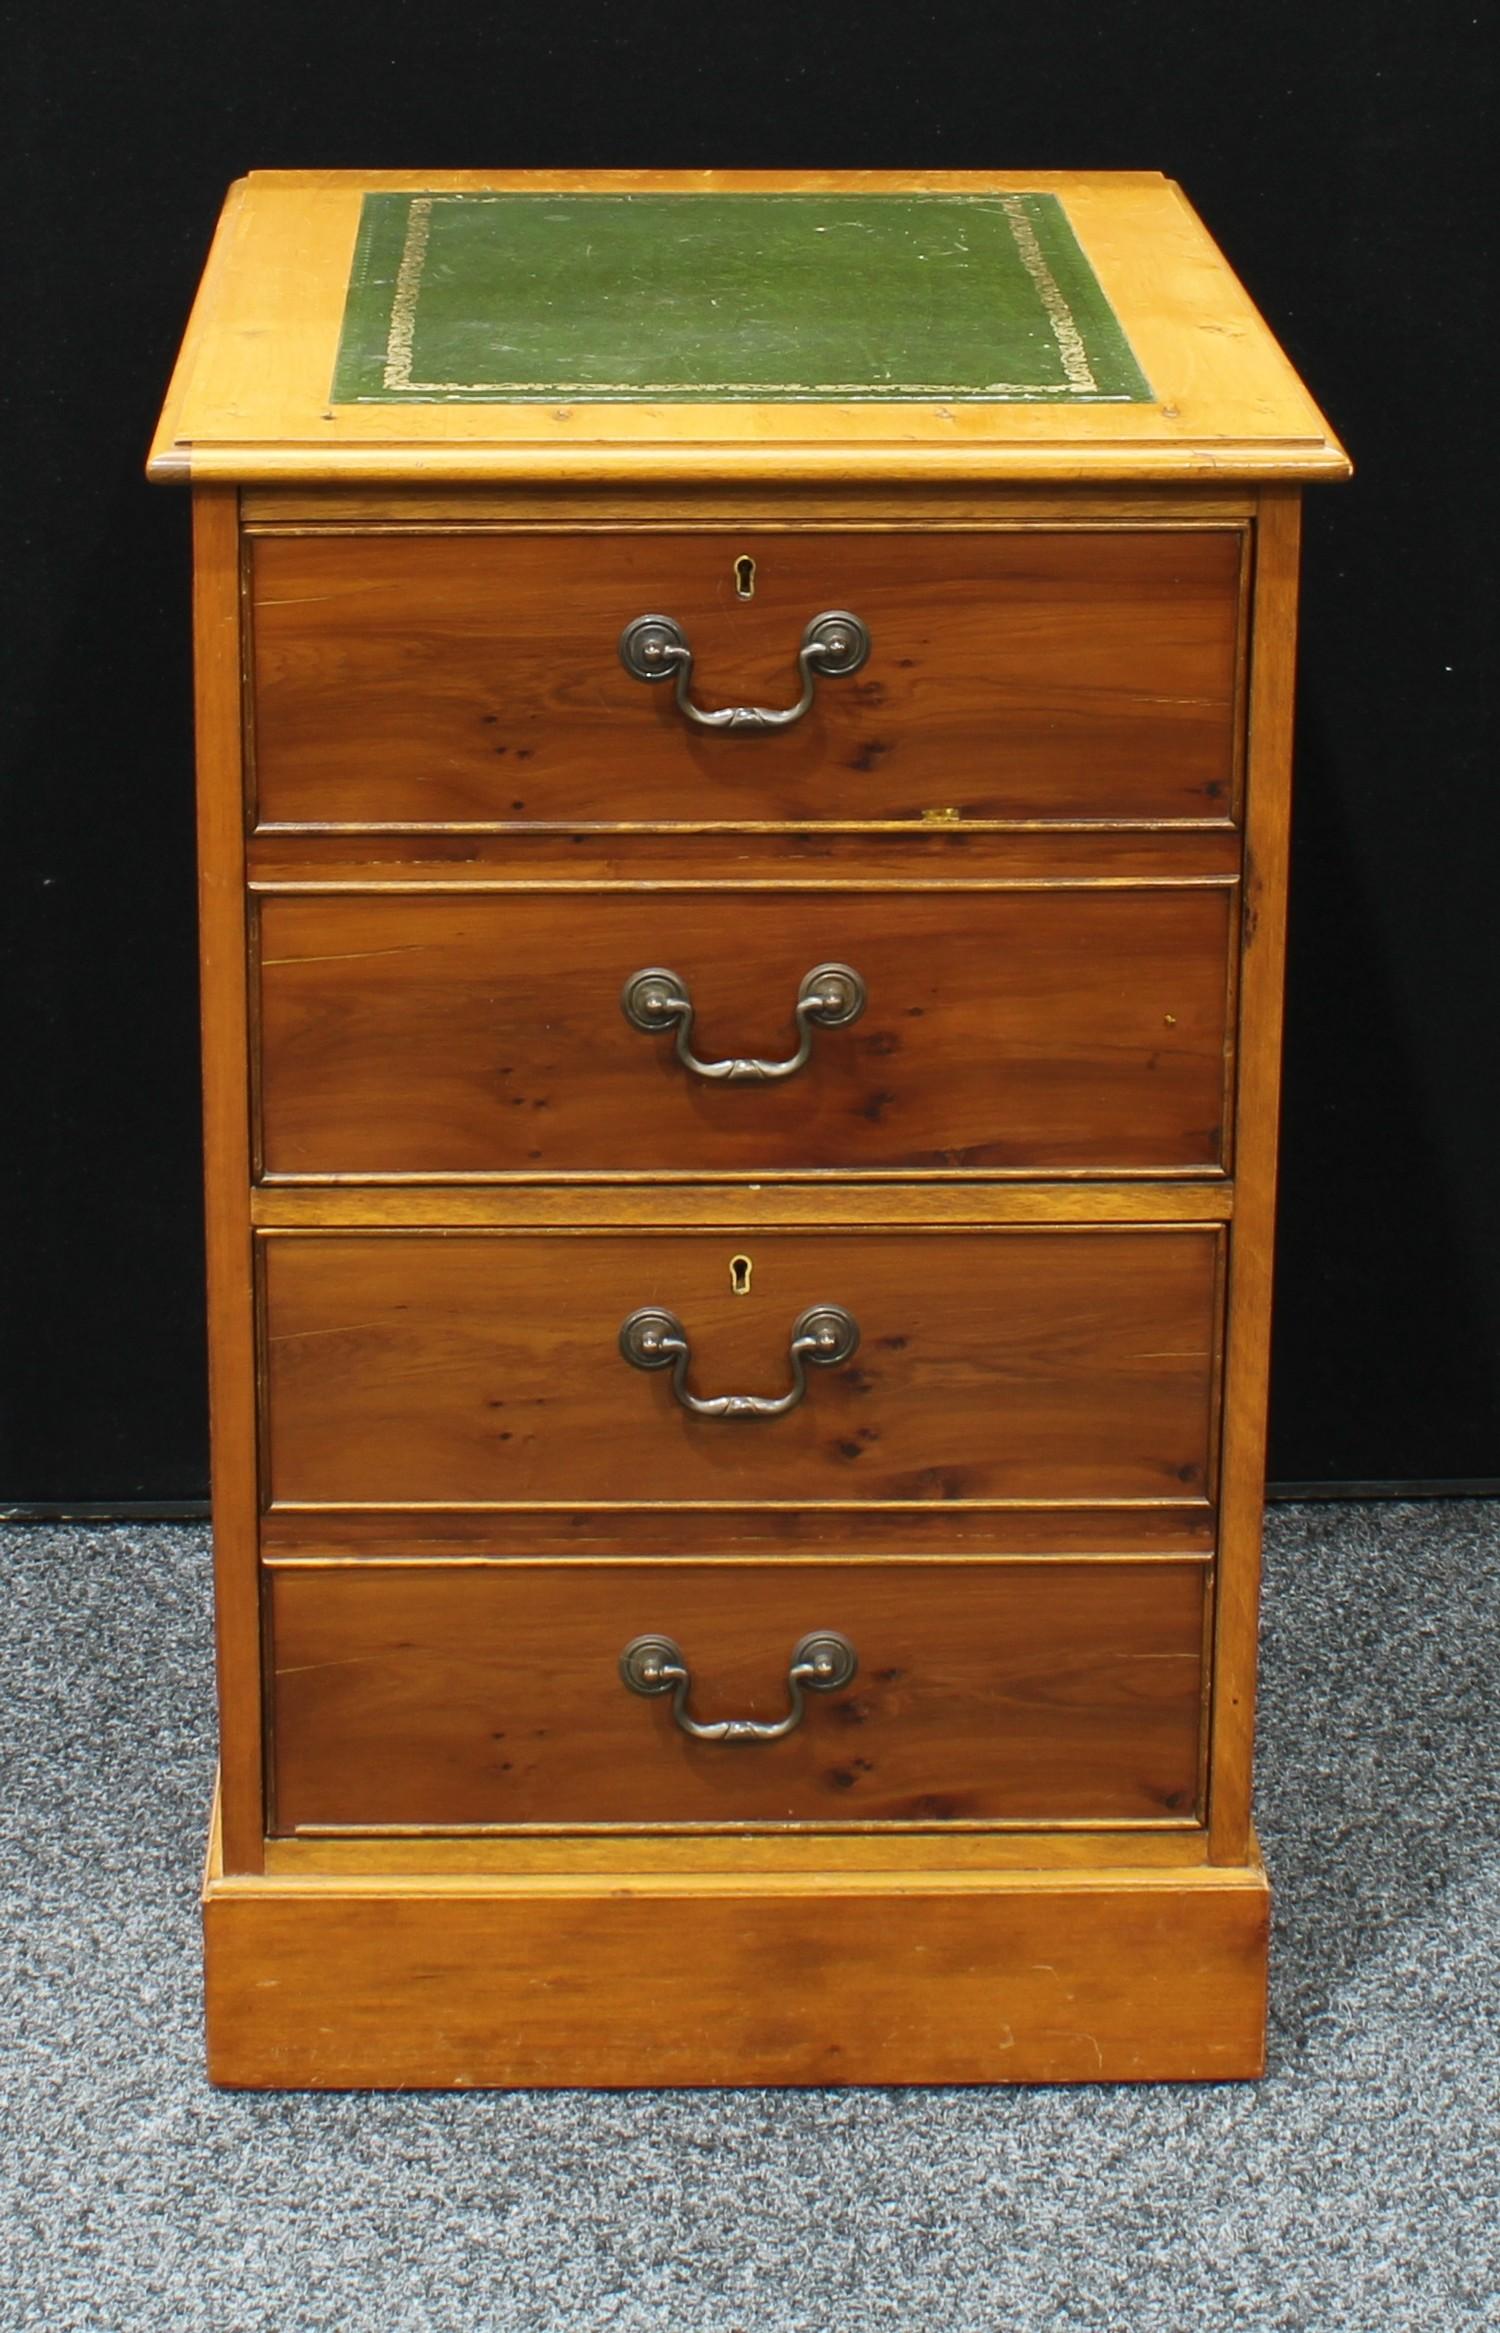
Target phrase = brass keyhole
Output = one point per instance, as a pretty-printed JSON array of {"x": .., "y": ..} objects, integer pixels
[
  {"x": 744, "y": 577},
  {"x": 740, "y": 1269}
]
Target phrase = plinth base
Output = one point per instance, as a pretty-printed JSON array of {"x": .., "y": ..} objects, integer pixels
[{"x": 658, "y": 1978}]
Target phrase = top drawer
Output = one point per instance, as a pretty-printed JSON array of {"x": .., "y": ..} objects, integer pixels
[{"x": 413, "y": 680}]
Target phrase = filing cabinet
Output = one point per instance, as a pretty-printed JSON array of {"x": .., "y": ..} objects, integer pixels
[{"x": 744, "y": 755}]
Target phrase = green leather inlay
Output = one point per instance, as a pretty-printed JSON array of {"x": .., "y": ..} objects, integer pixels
[{"x": 508, "y": 298}]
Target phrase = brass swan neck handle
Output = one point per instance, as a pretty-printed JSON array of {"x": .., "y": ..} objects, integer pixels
[
  {"x": 824, "y": 1335},
  {"x": 654, "y": 648},
  {"x": 831, "y": 996},
  {"x": 820, "y": 1663}
]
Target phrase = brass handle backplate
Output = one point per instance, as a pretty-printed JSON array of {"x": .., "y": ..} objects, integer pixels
[
  {"x": 656, "y": 648},
  {"x": 825, "y": 1334},
  {"x": 830, "y": 997},
  {"x": 820, "y": 1663}
]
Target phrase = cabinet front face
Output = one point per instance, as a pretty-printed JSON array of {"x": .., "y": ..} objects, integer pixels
[
  {"x": 455, "y": 1368},
  {"x": 470, "y": 679},
  {"x": 1065, "y": 1030},
  {"x": 1017, "y": 1693}
]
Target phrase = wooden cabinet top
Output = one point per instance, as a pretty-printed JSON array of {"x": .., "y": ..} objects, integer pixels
[{"x": 429, "y": 326}]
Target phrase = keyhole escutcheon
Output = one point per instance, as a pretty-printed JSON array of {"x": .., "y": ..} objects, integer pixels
[
  {"x": 744, "y": 576},
  {"x": 740, "y": 1269}
]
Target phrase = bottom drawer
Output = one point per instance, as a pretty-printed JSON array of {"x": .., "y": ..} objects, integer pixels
[{"x": 1042, "y": 1692}]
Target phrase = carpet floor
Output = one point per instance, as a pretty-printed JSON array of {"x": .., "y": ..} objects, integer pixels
[{"x": 1358, "y": 2186}]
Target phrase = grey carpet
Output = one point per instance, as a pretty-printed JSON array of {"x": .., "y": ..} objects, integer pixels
[{"x": 1357, "y": 2187}]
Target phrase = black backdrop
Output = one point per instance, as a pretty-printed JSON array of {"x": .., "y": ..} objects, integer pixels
[{"x": 1334, "y": 151}]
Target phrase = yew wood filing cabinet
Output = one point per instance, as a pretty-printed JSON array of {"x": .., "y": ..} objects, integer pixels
[{"x": 744, "y": 756}]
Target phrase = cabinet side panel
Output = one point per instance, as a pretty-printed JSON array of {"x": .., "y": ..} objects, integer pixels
[
  {"x": 1268, "y": 810},
  {"x": 226, "y": 1142}
]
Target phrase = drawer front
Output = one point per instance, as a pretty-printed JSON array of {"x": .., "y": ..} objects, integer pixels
[
  {"x": 485, "y": 1367},
  {"x": 1044, "y": 1692},
  {"x": 474, "y": 679},
  {"x": 1025, "y": 1031}
]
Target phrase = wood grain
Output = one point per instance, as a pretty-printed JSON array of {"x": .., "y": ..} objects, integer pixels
[
  {"x": 1025, "y": 1693},
  {"x": 1021, "y": 1032},
  {"x": 791, "y": 1534},
  {"x": 226, "y": 1141},
  {"x": 471, "y": 1367},
  {"x": 816, "y": 1978},
  {"x": 1247, "y": 1352},
  {"x": 911, "y": 1850},
  {"x": 424, "y": 679},
  {"x": 737, "y": 1204},
  {"x": 941, "y": 853},
  {"x": 850, "y": 502}
]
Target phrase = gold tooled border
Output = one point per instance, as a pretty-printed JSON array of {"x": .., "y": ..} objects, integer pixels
[{"x": 397, "y": 378}]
